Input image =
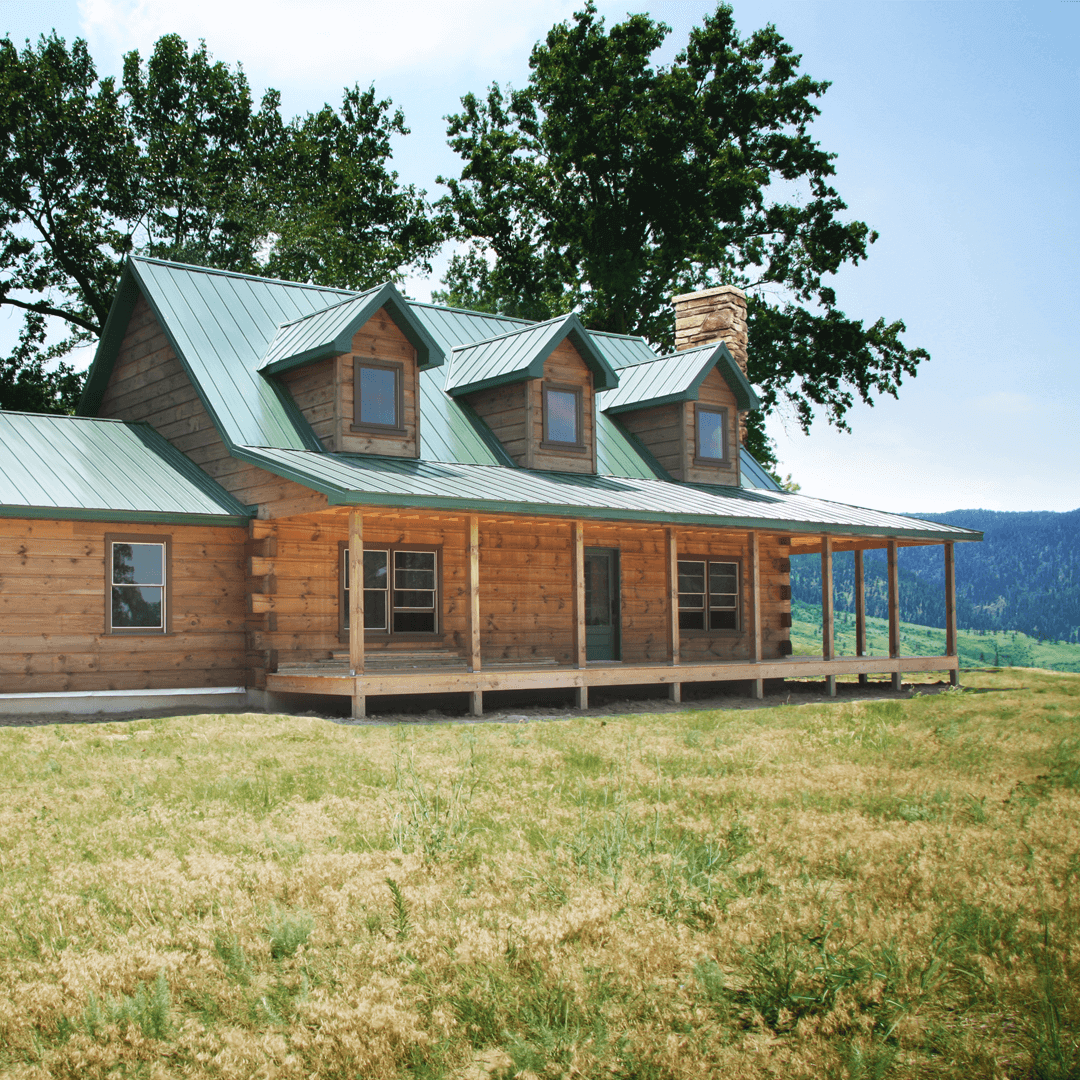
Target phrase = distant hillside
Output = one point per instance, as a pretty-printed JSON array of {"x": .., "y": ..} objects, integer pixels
[{"x": 1024, "y": 576}]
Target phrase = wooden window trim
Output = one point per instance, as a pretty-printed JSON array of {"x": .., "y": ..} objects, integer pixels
[
  {"x": 138, "y": 538},
  {"x": 578, "y": 447},
  {"x": 398, "y": 368},
  {"x": 388, "y": 635},
  {"x": 712, "y": 462},
  {"x": 737, "y": 561}
]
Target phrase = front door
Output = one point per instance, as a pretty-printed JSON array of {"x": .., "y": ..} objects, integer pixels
[{"x": 601, "y": 604}]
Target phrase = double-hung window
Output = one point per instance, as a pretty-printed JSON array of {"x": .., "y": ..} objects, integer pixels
[
  {"x": 401, "y": 590},
  {"x": 377, "y": 395},
  {"x": 708, "y": 595},
  {"x": 136, "y": 574}
]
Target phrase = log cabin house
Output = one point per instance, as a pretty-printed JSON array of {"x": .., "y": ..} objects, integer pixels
[{"x": 275, "y": 490}]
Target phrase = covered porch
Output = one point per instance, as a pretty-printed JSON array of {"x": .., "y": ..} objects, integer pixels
[{"x": 361, "y": 672}]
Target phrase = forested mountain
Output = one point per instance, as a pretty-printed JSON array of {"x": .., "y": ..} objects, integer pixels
[{"x": 1025, "y": 575}]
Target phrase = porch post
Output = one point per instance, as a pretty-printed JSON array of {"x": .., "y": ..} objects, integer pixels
[
  {"x": 674, "y": 643},
  {"x": 757, "y": 686},
  {"x": 860, "y": 612},
  {"x": 578, "y": 562},
  {"x": 356, "y": 611},
  {"x": 894, "y": 612},
  {"x": 476, "y": 697},
  {"x": 950, "y": 610},
  {"x": 827, "y": 643}
]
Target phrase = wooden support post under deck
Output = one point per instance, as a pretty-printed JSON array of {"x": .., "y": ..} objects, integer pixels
[
  {"x": 757, "y": 686},
  {"x": 860, "y": 612},
  {"x": 476, "y": 697},
  {"x": 356, "y": 611},
  {"x": 894, "y": 611},
  {"x": 674, "y": 642},
  {"x": 578, "y": 584},
  {"x": 827, "y": 638},
  {"x": 950, "y": 609}
]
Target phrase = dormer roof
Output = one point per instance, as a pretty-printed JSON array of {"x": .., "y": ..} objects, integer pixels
[
  {"x": 520, "y": 354},
  {"x": 329, "y": 332},
  {"x": 677, "y": 377}
]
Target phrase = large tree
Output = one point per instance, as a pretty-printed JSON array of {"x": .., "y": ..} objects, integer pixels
[
  {"x": 178, "y": 162},
  {"x": 608, "y": 184}
]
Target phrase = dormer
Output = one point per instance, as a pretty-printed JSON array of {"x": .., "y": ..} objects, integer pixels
[
  {"x": 353, "y": 370},
  {"x": 536, "y": 389},
  {"x": 685, "y": 409}
]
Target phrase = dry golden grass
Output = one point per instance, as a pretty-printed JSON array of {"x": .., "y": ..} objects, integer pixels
[{"x": 860, "y": 890}]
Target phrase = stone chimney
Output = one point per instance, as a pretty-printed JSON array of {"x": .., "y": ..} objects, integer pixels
[{"x": 712, "y": 315}]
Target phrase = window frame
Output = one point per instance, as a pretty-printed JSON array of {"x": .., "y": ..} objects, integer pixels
[
  {"x": 722, "y": 412},
  {"x": 546, "y": 443},
  {"x": 739, "y": 626},
  {"x": 161, "y": 540},
  {"x": 389, "y": 634},
  {"x": 398, "y": 368}
]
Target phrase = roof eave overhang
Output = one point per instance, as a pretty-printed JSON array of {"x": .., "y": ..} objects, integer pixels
[{"x": 145, "y": 517}]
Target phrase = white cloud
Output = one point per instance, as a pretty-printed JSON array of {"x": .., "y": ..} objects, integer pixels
[{"x": 332, "y": 42}]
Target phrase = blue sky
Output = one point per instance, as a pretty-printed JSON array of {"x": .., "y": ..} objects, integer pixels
[{"x": 957, "y": 135}]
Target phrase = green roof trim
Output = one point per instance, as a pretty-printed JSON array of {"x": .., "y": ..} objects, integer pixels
[
  {"x": 678, "y": 377},
  {"x": 69, "y": 467},
  {"x": 520, "y": 354},
  {"x": 355, "y": 480},
  {"x": 329, "y": 332}
]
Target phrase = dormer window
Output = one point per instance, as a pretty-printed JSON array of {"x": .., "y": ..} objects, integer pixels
[
  {"x": 378, "y": 404},
  {"x": 562, "y": 407},
  {"x": 711, "y": 434}
]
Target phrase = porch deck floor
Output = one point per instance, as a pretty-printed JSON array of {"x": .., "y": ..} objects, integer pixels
[{"x": 379, "y": 677}]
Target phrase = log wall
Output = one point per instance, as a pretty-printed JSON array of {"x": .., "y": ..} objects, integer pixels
[{"x": 53, "y": 597}]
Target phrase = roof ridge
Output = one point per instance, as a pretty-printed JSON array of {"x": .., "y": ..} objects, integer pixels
[
  {"x": 329, "y": 307},
  {"x": 510, "y": 333},
  {"x": 245, "y": 277},
  {"x": 468, "y": 311}
]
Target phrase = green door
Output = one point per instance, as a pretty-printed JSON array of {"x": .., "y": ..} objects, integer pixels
[{"x": 601, "y": 604}]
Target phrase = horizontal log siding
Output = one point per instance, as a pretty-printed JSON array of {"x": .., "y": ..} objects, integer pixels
[
  {"x": 149, "y": 384},
  {"x": 503, "y": 410},
  {"x": 52, "y": 611},
  {"x": 314, "y": 389},
  {"x": 659, "y": 429}
]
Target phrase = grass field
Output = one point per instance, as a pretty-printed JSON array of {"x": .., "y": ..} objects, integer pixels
[
  {"x": 1000, "y": 649},
  {"x": 860, "y": 890}
]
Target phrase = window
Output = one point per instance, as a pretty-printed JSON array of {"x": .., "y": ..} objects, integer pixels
[
  {"x": 708, "y": 595},
  {"x": 711, "y": 434},
  {"x": 562, "y": 417},
  {"x": 137, "y": 584},
  {"x": 401, "y": 590},
  {"x": 377, "y": 395}
]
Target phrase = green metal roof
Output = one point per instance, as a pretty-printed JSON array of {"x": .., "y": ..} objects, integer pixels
[
  {"x": 68, "y": 467},
  {"x": 520, "y": 354},
  {"x": 329, "y": 332},
  {"x": 622, "y": 350},
  {"x": 351, "y": 479},
  {"x": 677, "y": 378},
  {"x": 752, "y": 474}
]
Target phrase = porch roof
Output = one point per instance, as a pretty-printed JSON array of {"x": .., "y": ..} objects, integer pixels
[
  {"x": 354, "y": 480},
  {"x": 69, "y": 467}
]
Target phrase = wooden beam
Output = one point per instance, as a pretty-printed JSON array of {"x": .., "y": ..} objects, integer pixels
[
  {"x": 894, "y": 610},
  {"x": 674, "y": 642},
  {"x": 473, "y": 586},
  {"x": 860, "y": 612},
  {"x": 757, "y": 686},
  {"x": 356, "y": 610},
  {"x": 950, "y": 609},
  {"x": 827, "y": 635},
  {"x": 577, "y": 533}
]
